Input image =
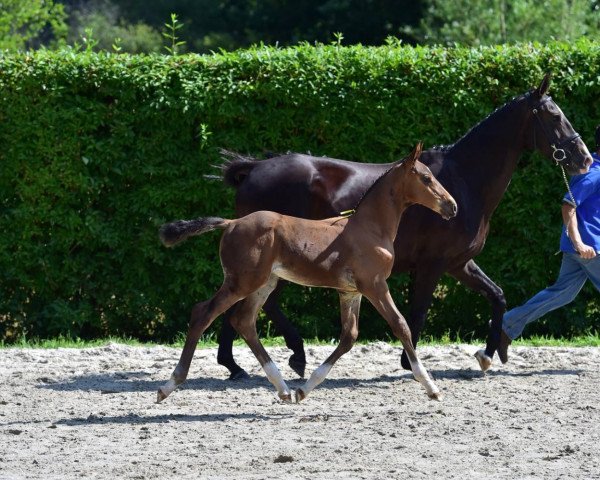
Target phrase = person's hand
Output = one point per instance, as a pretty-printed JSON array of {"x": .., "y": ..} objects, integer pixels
[{"x": 585, "y": 251}]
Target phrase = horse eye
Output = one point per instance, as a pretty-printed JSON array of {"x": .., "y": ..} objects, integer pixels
[{"x": 427, "y": 180}]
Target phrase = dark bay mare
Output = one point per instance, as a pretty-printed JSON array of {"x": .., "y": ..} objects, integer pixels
[
  {"x": 352, "y": 254},
  {"x": 476, "y": 170}
]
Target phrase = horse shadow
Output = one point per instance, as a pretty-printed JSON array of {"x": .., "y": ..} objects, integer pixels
[
  {"x": 132, "y": 381},
  {"x": 142, "y": 420}
]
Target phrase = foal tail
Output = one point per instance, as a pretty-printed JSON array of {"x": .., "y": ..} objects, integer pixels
[{"x": 171, "y": 234}]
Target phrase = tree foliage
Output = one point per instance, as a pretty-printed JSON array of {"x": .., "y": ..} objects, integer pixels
[
  {"x": 25, "y": 24},
  {"x": 102, "y": 21},
  {"x": 472, "y": 22}
]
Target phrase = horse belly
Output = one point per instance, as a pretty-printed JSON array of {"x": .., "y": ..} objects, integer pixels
[{"x": 316, "y": 277}]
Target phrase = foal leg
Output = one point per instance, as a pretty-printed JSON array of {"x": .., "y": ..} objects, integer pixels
[
  {"x": 203, "y": 315},
  {"x": 244, "y": 321},
  {"x": 293, "y": 340},
  {"x": 349, "y": 310},
  {"x": 382, "y": 301}
]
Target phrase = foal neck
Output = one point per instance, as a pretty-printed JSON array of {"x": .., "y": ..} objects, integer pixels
[{"x": 382, "y": 206}]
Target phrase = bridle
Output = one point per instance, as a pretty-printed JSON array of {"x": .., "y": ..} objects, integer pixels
[
  {"x": 559, "y": 155},
  {"x": 559, "y": 147}
]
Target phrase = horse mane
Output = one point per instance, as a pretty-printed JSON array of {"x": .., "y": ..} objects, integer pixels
[{"x": 474, "y": 128}]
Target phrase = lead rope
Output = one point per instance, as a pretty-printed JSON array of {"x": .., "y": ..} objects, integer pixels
[
  {"x": 568, "y": 186},
  {"x": 572, "y": 200}
]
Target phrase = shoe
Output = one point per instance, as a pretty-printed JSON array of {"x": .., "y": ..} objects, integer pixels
[{"x": 505, "y": 341}]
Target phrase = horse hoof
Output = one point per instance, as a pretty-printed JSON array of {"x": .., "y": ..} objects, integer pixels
[
  {"x": 239, "y": 375},
  {"x": 300, "y": 395},
  {"x": 298, "y": 366},
  {"x": 161, "y": 395},
  {"x": 485, "y": 362},
  {"x": 286, "y": 397}
]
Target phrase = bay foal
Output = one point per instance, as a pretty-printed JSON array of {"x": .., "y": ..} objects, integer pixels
[{"x": 353, "y": 255}]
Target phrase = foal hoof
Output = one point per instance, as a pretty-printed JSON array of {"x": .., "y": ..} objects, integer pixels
[
  {"x": 300, "y": 395},
  {"x": 439, "y": 396},
  {"x": 485, "y": 362},
  {"x": 286, "y": 397},
  {"x": 298, "y": 366},
  {"x": 239, "y": 375}
]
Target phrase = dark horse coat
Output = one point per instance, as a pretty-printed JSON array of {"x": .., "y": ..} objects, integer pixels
[{"x": 476, "y": 170}]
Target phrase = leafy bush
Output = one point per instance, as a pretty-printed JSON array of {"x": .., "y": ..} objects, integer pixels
[{"x": 99, "y": 149}]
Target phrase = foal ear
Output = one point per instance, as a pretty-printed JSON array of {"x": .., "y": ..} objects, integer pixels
[{"x": 544, "y": 86}]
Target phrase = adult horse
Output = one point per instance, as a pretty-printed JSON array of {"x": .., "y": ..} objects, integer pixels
[
  {"x": 476, "y": 170},
  {"x": 352, "y": 254}
]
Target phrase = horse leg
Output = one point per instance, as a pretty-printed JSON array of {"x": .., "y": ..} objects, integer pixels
[
  {"x": 225, "y": 352},
  {"x": 293, "y": 340},
  {"x": 244, "y": 321},
  {"x": 202, "y": 316},
  {"x": 422, "y": 285},
  {"x": 473, "y": 277},
  {"x": 349, "y": 310},
  {"x": 383, "y": 303}
]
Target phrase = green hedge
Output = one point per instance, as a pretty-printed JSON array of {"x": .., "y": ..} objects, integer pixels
[{"x": 97, "y": 150}]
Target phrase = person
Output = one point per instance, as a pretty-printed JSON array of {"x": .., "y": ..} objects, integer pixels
[{"x": 580, "y": 245}]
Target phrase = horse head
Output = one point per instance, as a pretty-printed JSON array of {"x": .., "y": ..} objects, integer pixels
[
  {"x": 553, "y": 134},
  {"x": 423, "y": 188}
]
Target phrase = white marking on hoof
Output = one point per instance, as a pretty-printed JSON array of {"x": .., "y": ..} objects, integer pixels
[
  {"x": 300, "y": 395},
  {"x": 485, "y": 362},
  {"x": 422, "y": 376},
  {"x": 274, "y": 376},
  {"x": 287, "y": 398},
  {"x": 436, "y": 395},
  {"x": 315, "y": 379},
  {"x": 166, "y": 390}
]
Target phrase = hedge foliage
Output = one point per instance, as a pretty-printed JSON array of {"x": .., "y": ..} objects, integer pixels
[{"x": 98, "y": 150}]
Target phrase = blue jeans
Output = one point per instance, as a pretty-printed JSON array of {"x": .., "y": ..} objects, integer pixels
[{"x": 574, "y": 271}]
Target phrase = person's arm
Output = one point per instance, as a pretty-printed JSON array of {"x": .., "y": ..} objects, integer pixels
[{"x": 570, "y": 221}]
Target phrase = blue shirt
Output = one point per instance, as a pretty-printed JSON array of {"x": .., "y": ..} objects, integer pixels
[{"x": 586, "y": 192}]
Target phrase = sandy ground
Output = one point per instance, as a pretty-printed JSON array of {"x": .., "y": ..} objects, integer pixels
[{"x": 91, "y": 413}]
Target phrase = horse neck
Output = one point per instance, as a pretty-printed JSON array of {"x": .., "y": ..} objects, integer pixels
[
  {"x": 382, "y": 207},
  {"x": 486, "y": 157}
]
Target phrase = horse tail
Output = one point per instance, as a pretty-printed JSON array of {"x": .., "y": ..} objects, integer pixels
[
  {"x": 171, "y": 234},
  {"x": 236, "y": 168}
]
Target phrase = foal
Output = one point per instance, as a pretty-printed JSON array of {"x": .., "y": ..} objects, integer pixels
[{"x": 352, "y": 254}]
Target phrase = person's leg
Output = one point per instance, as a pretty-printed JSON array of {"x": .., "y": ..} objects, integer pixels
[
  {"x": 592, "y": 269},
  {"x": 571, "y": 279}
]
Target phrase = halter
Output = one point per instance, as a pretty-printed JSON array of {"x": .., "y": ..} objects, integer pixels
[{"x": 559, "y": 155}]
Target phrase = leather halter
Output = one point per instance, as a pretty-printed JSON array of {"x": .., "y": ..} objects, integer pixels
[{"x": 559, "y": 147}]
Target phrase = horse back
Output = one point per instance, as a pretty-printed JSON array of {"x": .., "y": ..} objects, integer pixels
[{"x": 302, "y": 185}]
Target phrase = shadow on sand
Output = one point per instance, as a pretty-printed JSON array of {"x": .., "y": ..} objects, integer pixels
[{"x": 122, "y": 382}]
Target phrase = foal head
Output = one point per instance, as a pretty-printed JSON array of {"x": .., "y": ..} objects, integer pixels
[{"x": 420, "y": 186}]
